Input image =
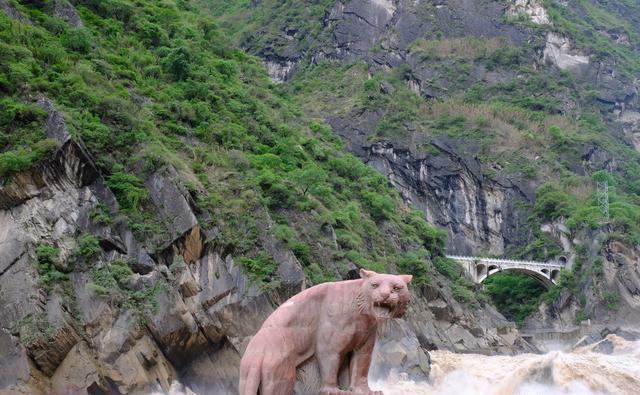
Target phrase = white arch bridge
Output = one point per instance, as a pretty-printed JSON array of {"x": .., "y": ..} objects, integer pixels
[{"x": 480, "y": 268}]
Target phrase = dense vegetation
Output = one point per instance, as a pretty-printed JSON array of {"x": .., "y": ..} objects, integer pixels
[
  {"x": 516, "y": 295},
  {"x": 152, "y": 84},
  {"x": 535, "y": 127}
]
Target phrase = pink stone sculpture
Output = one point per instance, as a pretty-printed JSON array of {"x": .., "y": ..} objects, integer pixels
[{"x": 329, "y": 321}]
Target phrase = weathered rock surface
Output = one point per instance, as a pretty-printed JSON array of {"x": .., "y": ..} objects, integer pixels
[
  {"x": 381, "y": 34},
  {"x": 8, "y": 9},
  {"x": 207, "y": 309},
  {"x": 533, "y": 8},
  {"x": 480, "y": 213},
  {"x": 558, "y": 52},
  {"x": 64, "y": 10}
]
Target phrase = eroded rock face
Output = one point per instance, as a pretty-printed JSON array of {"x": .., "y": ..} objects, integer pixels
[
  {"x": 279, "y": 70},
  {"x": 478, "y": 212},
  {"x": 81, "y": 340},
  {"x": 64, "y": 10},
  {"x": 8, "y": 9},
  {"x": 533, "y": 8},
  {"x": 203, "y": 306},
  {"x": 558, "y": 52},
  {"x": 453, "y": 193},
  {"x": 207, "y": 309}
]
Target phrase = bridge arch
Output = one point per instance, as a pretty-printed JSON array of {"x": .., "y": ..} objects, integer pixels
[
  {"x": 479, "y": 268},
  {"x": 541, "y": 276}
]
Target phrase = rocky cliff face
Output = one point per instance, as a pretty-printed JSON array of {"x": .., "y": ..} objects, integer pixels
[
  {"x": 387, "y": 36},
  {"x": 449, "y": 185},
  {"x": 608, "y": 280},
  {"x": 187, "y": 310},
  {"x": 464, "y": 51},
  {"x": 91, "y": 304}
]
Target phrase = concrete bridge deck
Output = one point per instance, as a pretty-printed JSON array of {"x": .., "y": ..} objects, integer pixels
[{"x": 480, "y": 268}]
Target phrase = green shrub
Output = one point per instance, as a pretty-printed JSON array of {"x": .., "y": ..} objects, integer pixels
[
  {"x": 462, "y": 294},
  {"x": 35, "y": 329},
  {"x": 448, "y": 267},
  {"x": 380, "y": 206},
  {"x": 99, "y": 214},
  {"x": 302, "y": 251},
  {"x": 51, "y": 271},
  {"x": 14, "y": 114},
  {"x": 415, "y": 263},
  {"x": 78, "y": 40},
  {"x": 277, "y": 192},
  {"x": 47, "y": 254},
  {"x": 552, "y": 203},
  {"x": 284, "y": 233},
  {"x": 308, "y": 178},
  {"x": 121, "y": 271},
  {"x": 432, "y": 237},
  {"x": 128, "y": 189},
  {"x": 515, "y": 294},
  {"x": 21, "y": 159},
  {"x": 109, "y": 282},
  {"x": 346, "y": 216},
  {"x": 14, "y": 161},
  {"x": 611, "y": 299},
  {"x": 178, "y": 63},
  {"x": 260, "y": 268},
  {"x": 87, "y": 248}
]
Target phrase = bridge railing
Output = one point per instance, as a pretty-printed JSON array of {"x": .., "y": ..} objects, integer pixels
[{"x": 505, "y": 261}]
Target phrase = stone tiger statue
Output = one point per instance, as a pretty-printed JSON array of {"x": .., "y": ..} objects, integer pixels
[{"x": 329, "y": 322}]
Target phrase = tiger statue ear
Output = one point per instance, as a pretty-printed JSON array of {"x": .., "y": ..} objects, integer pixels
[
  {"x": 364, "y": 273},
  {"x": 406, "y": 278}
]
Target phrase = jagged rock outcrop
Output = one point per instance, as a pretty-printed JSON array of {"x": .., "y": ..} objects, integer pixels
[
  {"x": 611, "y": 288},
  {"x": 558, "y": 52},
  {"x": 64, "y": 10},
  {"x": 188, "y": 309},
  {"x": 534, "y": 9},
  {"x": 480, "y": 213}
]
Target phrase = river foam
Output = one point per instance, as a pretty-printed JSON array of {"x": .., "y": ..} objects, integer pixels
[{"x": 611, "y": 366}]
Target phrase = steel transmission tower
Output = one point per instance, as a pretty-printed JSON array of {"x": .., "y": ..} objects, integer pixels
[{"x": 603, "y": 197}]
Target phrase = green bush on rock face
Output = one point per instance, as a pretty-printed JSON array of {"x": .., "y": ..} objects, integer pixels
[
  {"x": 415, "y": 262},
  {"x": 516, "y": 295},
  {"x": 110, "y": 281},
  {"x": 51, "y": 270},
  {"x": 151, "y": 84},
  {"x": 463, "y": 289},
  {"x": 260, "y": 268},
  {"x": 87, "y": 248},
  {"x": 20, "y": 159}
]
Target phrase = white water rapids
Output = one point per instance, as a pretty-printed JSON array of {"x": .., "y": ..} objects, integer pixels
[{"x": 582, "y": 371}]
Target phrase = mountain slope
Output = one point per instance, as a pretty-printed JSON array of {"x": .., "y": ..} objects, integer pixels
[
  {"x": 159, "y": 196},
  {"x": 496, "y": 118}
]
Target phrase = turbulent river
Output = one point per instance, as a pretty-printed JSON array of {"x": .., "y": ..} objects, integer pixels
[{"x": 611, "y": 366}]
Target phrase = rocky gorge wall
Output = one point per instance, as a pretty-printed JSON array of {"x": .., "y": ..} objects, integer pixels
[
  {"x": 447, "y": 177},
  {"x": 187, "y": 310}
]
